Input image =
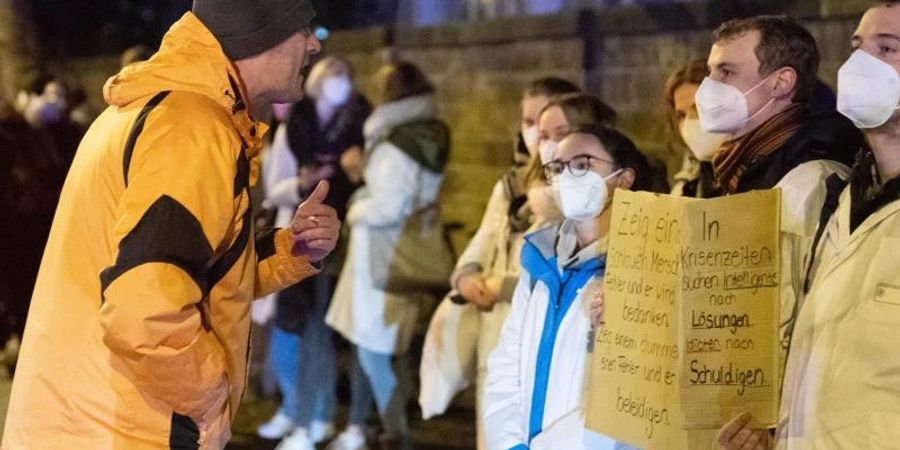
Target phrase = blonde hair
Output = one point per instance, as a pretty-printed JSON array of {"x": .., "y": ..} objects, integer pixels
[
  {"x": 318, "y": 73},
  {"x": 580, "y": 110}
]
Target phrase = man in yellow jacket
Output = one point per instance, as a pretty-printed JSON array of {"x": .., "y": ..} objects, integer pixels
[{"x": 137, "y": 337}]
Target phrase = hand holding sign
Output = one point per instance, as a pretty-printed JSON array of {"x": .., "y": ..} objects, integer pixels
[
  {"x": 737, "y": 435},
  {"x": 315, "y": 227}
]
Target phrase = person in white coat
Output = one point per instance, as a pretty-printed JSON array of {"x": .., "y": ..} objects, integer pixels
[
  {"x": 489, "y": 266},
  {"x": 535, "y": 387},
  {"x": 842, "y": 381},
  {"x": 401, "y": 176}
]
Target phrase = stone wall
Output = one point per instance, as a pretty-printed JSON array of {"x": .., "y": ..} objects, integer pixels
[{"x": 622, "y": 54}]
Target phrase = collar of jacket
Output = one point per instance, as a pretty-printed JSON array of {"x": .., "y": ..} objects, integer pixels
[
  {"x": 539, "y": 259},
  {"x": 868, "y": 193},
  {"x": 388, "y": 115},
  {"x": 190, "y": 59}
]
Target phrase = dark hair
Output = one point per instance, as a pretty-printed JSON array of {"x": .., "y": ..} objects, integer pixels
[
  {"x": 624, "y": 153},
  {"x": 550, "y": 87},
  {"x": 886, "y": 3},
  {"x": 783, "y": 42},
  {"x": 400, "y": 80}
]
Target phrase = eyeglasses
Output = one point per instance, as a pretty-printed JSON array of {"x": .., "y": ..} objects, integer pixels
[{"x": 578, "y": 166}]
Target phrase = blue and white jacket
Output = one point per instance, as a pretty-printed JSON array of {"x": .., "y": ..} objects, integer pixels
[{"x": 534, "y": 392}]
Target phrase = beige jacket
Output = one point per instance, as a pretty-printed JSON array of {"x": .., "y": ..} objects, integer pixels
[{"x": 842, "y": 383}]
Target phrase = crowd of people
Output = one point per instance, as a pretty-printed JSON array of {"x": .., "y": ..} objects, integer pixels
[
  {"x": 40, "y": 131},
  {"x": 144, "y": 296}
]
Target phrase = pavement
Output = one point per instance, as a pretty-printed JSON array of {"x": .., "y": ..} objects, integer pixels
[{"x": 452, "y": 431}]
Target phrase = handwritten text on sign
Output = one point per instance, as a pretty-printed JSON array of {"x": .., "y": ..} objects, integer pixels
[
  {"x": 729, "y": 309},
  {"x": 634, "y": 395},
  {"x": 691, "y": 317}
]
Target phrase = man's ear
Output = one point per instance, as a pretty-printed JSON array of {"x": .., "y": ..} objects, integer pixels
[
  {"x": 625, "y": 179},
  {"x": 785, "y": 82}
]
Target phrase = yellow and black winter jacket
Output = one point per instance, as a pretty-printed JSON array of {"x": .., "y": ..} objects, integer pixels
[{"x": 137, "y": 337}]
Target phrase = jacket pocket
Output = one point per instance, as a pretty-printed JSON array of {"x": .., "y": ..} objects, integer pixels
[
  {"x": 881, "y": 288},
  {"x": 887, "y": 294},
  {"x": 184, "y": 434}
]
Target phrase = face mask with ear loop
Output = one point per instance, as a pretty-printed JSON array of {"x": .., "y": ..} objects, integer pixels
[
  {"x": 723, "y": 107},
  {"x": 531, "y": 136},
  {"x": 868, "y": 90},
  {"x": 582, "y": 198},
  {"x": 702, "y": 145}
]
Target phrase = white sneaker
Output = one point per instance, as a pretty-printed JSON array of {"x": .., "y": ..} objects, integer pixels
[
  {"x": 349, "y": 440},
  {"x": 297, "y": 440},
  {"x": 276, "y": 428},
  {"x": 320, "y": 431}
]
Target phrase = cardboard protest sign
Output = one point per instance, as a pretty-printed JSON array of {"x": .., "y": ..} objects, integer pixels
[
  {"x": 691, "y": 317},
  {"x": 730, "y": 272},
  {"x": 634, "y": 395}
]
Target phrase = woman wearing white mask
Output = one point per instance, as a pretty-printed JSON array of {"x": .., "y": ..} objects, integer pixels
[
  {"x": 320, "y": 131},
  {"x": 407, "y": 148},
  {"x": 491, "y": 259},
  {"x": 695, "y": 179},
  {"x": 558, "y": 118},
  {"x": 534, "y": 395}
]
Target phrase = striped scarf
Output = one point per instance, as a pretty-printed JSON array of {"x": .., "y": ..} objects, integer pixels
[{"x": 738, "y": 154}]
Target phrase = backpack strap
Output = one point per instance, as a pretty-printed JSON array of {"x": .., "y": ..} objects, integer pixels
[{"x": 834, "y": 185}]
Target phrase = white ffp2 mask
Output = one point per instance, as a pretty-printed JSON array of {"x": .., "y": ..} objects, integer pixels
[
  {"x": 547, "y": 151},
  {"x": 723, "y": 107},
  {"x": 582, "y": 198},
  {"x": 337, "y": 90},
  {"x": 702, "y": 144},
  {"x": 531, "y": 136},
  {"x": 868, "y": 90}
]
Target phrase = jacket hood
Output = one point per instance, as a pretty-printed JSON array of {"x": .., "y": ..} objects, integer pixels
[
  {"x": 389, "y": 115},
  {"x": 410, "y": 125},
  {"x": 190, "y": 59}
]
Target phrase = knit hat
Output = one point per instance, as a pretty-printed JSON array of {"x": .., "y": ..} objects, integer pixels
[{"x": 246, "y": 28}]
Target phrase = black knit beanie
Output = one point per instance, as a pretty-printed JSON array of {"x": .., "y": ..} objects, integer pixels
[{"x": 246, "y": 28}]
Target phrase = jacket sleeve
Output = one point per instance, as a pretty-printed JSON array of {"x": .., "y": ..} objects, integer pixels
[
  {"x": 477, "y": 255},
  {"x": 276, "y": 268},
  {"x": 177, "y": 206},
  {"x": 392, "y": 180},
  {"x": 803, "y": 192},
  {"x": 504, "y": 414}
]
